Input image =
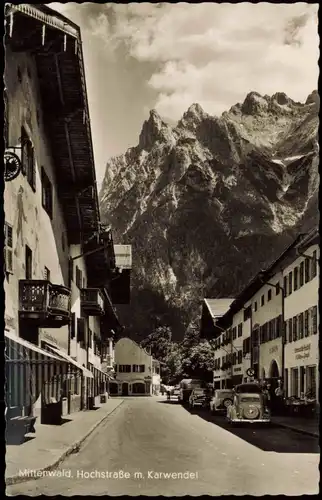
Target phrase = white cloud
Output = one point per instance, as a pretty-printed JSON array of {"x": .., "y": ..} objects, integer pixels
[{"x": 215, "y": 54}]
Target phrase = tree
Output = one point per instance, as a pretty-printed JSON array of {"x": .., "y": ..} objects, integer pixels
[
  {"x": 199, "y": 361},
  {"x": 159, "y": 342},
  {"x": 163, "y": 349}
]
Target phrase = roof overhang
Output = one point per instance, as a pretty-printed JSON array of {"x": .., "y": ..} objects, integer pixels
[
  {"x": 55, "y": 44},
  {"x": 212, "y": 311}
]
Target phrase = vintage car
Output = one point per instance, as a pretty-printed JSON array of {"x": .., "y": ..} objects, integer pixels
[
  {"x": 248, "y": 405},
  {"x": 198, "y": 397},
  {"x": 174, "y": 394},
  {"x": 221, "y": 400}
]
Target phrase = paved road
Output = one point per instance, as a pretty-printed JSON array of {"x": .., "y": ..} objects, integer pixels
[{"x": 147, "y": 438}]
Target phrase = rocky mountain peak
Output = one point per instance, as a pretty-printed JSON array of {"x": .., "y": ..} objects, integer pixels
[
  {"x": 313, "y": 98},
  {"x": 154, "y": 130},
  {"x": 281, "y": 98},
  {"x": 254, "y": 104},
  {"x": 231, "y": 190}
]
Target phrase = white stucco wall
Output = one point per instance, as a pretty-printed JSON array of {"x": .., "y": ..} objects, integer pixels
[
  {"x": 303, "y": 352},
  {"x": 128, "y": 352},
  {"x": 31, "y": 224}
]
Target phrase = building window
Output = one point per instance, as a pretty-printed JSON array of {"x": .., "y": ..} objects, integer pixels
[
  {"x": 255, "y": 306},
  {"x": 46, "y": 193},
  {"x": 301, "y": 274},
  {"x": 125, "y": 368},
  {"x": 314, "y": 263},
  {"x": 19, "y": 74},
  {"x": 307, "y": 270},
  {"x": 294, "y": 382},
  {"x": 90, "y": 338},
  {"x": 240, "y": 330},
  {"x": 234, "y": 362},
  {"x": 269, "y": 295},
  {"x": 46, "y": 274},
  {"x": 290, "y": 287},
  {"x": 142, "y": 368},
  {"x": 72, "y": 326},
  {"x": 301, "y": 325},
  {"x": 314, "y": 317},
  {"x": 234, "y": 333},
  {"x": 247, "y": 313},
  {"x": 294, "y": 328},
  {"x": 286, "y": 332},
  {"x": 306, "y": 323},
  {"x": 240, "y": 357},
  {"x": 28, "y": 263},
  {"x": 311, "y": 381},
  {"x": 296, "y": 275},
  {"x": 8, "y": 247},
  {"x": 285, "y": 286},
  {"x": 286, "y": 382},
  {"x": 262, "y": 300},
  {"x": 28, "y": 159},
  {"x": 79, "y": 278},
  {"x": 290, "y": 330},
  {"x": 70, "y": 271},
  {"x": 81, "y": 330},
  {"x": 278, "y": 288}
]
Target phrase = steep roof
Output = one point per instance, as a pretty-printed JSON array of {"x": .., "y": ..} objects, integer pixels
[{"x": 218, "y": 307}]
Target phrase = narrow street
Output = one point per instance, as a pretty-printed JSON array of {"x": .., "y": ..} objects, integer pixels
[{"x": 146, "y": 437}]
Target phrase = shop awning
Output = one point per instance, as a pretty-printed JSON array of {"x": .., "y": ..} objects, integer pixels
[
  {"x": 68, "y": 358},
  {"x": 18, "y": 354}
]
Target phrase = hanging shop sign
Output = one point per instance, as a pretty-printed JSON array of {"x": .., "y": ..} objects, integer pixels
[{"x": 12, "y": 166}]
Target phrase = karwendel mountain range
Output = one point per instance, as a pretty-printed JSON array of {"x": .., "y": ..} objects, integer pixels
[{"x": 208, "y": 203}]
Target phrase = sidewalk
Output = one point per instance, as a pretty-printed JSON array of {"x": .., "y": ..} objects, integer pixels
[
  {"x": 51, "y": 444},
  {"x": 302, "y": 425}
]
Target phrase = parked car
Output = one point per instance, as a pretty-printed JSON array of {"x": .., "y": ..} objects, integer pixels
[
  {"x": 221, "y": 400},
  {"x": 198, "y": 397},
  {"x": 248, "y": 405},
  {"x": 186, "y": 388},
  {"x": 174, "y": 394}
]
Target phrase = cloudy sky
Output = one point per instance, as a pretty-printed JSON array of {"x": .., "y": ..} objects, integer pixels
[{"x": 141, "y": 56}]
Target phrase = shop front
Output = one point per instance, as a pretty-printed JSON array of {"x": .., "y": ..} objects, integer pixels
[
  {"x": 271, "y": 361},
  {"x": 301, "y": 368}
]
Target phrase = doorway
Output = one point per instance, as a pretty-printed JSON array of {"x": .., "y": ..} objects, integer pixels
[
  {"x": 274, "y": 372},
  {"x": 125, "y": 389}
]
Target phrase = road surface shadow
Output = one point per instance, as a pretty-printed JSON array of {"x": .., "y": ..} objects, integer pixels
[
  {"x": 266, "y": 437},
  {"x": 167, "y": 402}
]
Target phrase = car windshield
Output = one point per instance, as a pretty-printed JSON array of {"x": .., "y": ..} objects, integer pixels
[
  {"x": 248, "y": 388},
  {"x": 221, "y": 394}
]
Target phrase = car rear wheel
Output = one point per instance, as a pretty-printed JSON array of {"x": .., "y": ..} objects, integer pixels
[{"x": 227, "y": 402}]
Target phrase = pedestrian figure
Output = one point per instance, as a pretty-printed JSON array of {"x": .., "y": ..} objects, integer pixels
[
  {"x": 267, "y": 397},
  {"x": 168, "y": 395},
  {"x": 279, "y": 394}
]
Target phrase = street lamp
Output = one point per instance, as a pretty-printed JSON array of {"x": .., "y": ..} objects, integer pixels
[{"x": 282, "y": 290}]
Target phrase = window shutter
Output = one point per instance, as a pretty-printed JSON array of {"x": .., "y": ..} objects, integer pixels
[
  {"x": 81, "y": 330},
  {"x": 314, "y": 320},
  {"x": 290, "y": 329},
  {"x": 72, "y": 325}
]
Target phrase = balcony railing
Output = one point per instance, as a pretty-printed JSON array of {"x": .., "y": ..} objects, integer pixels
[
  {"x": 46, "y": 304},
  {"x": 92, "y": 301}
]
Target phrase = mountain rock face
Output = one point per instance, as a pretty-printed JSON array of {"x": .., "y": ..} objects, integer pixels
[{"x": 208, "y": 203}]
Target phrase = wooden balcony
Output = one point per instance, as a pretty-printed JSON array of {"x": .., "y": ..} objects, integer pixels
[
  {"x": 43, "y": 303},
  {"x": 92, "y": 302}
]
